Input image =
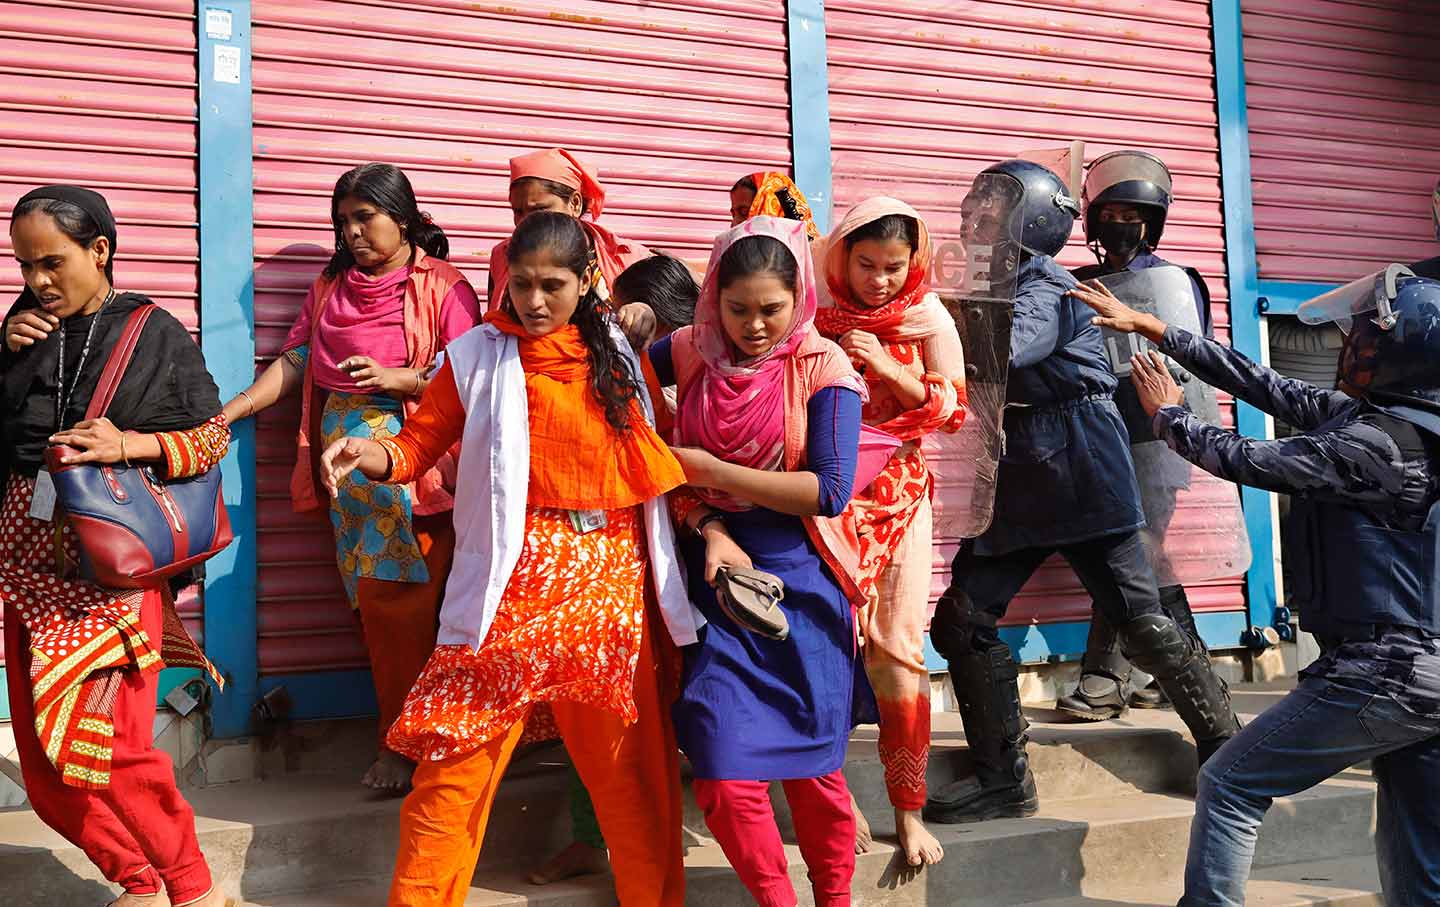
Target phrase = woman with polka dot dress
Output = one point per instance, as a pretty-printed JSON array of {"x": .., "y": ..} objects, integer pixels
[{"x": 84, "y": 661}]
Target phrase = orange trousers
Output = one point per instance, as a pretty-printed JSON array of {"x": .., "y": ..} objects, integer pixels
[
  {"x": 631, "y": 771},
  {"x": 401, "y": 620}
]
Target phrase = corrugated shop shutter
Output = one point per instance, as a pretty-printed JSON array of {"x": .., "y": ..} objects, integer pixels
[
  {"x": 672, "y": 101},
  {"x": 106, "y": 97},
  {"x": 926, "y": 94},
  {"x": 1344, "y": 109}
]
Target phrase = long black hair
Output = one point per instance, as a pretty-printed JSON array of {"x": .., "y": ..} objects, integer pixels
[
  {"x": 563, "y": 240},
  {"x": 758, "y": 254},
  {"x": 75, "y": 222},
  {"x": 386, "y": 187},
  {"x": 662, "y": 282}
]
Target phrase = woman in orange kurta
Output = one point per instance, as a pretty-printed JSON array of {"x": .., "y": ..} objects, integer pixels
[
  {"x": 900, "y": 337},
  {"x": 547, "y": 599}
]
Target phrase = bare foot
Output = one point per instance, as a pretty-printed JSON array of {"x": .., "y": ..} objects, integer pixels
[
  {"x": 863, "y": 838},
  {"x": 920, "y": 846},
  {"x": 216, "y": 898},
  {"x": 159, "y": 899},
  {"x": 390, "y": 773},
  {"x": 579, "y": 859}
]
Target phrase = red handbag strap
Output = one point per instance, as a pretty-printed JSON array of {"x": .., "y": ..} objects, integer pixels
[{"x": 119, "y": 361}]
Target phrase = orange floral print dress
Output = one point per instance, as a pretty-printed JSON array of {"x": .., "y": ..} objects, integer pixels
[{"x": 571, "y": 620}]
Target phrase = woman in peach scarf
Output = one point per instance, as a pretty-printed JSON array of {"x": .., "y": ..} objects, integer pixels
[{"x": 882, "y": 313}]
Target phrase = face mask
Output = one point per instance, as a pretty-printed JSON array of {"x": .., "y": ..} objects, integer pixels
[{"x": 1120, "y": 240}]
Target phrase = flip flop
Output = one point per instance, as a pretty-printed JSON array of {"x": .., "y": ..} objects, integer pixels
[{"x": 751, "y": 598}]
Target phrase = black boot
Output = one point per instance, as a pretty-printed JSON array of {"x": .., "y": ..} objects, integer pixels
[
  {"x": 1104, "y": 690},
  {"x": 1158, "y": 646},
  {"x": 987, "y": 686},
  {"x": 1176, "y": 604}
]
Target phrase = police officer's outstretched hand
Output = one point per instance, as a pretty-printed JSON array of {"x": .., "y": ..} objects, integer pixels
[
  {"x": 1153, "y": 383},
  {"x": 1111, "y": 313}
]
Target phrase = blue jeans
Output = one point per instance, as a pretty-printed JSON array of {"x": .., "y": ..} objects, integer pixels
[{"x": 1326, "y": 725}]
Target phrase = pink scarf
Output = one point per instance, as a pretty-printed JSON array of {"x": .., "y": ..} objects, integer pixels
[{"x": 736, "y": 409}]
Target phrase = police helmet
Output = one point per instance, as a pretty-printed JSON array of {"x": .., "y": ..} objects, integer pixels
[
  {"x": 1391, "y": 321},
  {"x": 1045, "y": 212},
  {"x": 1128, "y": 178}
]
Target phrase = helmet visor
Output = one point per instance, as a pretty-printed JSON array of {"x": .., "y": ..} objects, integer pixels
[
  {"x": 1371, "y": 293},
  {"x": 1121, "y": 167}
]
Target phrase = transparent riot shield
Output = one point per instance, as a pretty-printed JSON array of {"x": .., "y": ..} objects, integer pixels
[
  {"x": 975, "y": 275},
  {"x": 1194, "y": 528}
]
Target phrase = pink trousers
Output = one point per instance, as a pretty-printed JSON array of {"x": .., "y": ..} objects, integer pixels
[{"x": 739, "y": 815}]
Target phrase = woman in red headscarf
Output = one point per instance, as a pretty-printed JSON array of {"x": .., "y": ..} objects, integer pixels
[
  {"x": 556, "y": 180},
  {"x": 900, "y": 337}
]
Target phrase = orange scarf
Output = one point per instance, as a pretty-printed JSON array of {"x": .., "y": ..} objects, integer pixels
[
  {"x": 776, "y": 195},
  {"x": 577, "y": 461}
]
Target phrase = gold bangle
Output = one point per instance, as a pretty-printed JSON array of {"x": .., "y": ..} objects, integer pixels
[
  {"x": 123, "y": 455},
  {"x": 416, "y": 393},
  {"x": 251, "y": 401}
]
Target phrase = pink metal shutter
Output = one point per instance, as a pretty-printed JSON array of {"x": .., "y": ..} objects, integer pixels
[
  {"x": 106, "y": 98},
  {"x": 924, "y": 95},
  {"x": 1344, "y": 109},
  {"x": 673, "y": 102}
]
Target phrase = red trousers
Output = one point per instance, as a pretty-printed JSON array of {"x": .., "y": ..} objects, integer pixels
[
  {"x": 139, "y": 831},
  {"x": 740, "y": 817}
]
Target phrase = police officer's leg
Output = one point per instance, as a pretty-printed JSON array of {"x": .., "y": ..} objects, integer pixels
[
  {"x": 1407, "y": 824},
  {"x": 986, "y": 683},
  {"x": 1117, "y": 574},
  {"x": 1104, "y": 689},
  {"x": 1322, "y": 727},
  {"x": 1174, "y": 602}
]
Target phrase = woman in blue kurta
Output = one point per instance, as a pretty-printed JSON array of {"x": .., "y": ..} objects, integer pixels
[{"x": 767, "y": 427}]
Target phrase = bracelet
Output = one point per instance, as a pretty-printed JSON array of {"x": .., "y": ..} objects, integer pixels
[
  {"x": 416, "y": 392},
  {"x": 123, "y": 455},
  {"x": 707, "y": 519},
  {"x": 251, "y": 401}
]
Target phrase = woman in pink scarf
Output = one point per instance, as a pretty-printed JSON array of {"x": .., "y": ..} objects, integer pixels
[
  {"x": 882, "y": 313},
  {"x": 767, "y": 427}
]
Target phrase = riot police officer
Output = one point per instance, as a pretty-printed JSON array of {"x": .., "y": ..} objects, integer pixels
[
  {"x": 1364, "y": 527},
  {"x": 1126, "y": 200},
  {"x": 1065, "y": 483}
]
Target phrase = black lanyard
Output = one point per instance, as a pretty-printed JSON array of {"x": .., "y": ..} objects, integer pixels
[{"x": 62, "y": 393}]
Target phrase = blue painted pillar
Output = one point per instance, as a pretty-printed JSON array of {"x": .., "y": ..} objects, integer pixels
[
  {"x": 1240, "y": 261},
  {"x": 809, "y": 105},
  {"x": 227, "y": 336}
]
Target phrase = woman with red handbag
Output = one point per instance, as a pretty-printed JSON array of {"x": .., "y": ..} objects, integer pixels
[
  {"x": 84, "y": 661},
  {"x": 880, "y": 310},
  {"x": 359, "y": 355}
]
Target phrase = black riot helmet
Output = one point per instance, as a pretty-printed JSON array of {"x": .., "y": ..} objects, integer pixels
[
  {"x": 1045, "y": 212},
  {"x": 1391, "y": 321},
  {"x": 1127, "y": 178}
]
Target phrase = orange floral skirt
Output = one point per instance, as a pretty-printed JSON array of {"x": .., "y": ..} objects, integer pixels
[{"x": 568, "y": 628}]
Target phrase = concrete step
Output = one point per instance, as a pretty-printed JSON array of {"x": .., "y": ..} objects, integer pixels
[
  {"x": 1352, "y": 882},
  {"x": 299, "y": 839},
  {"x": 1074, "y": 853}
]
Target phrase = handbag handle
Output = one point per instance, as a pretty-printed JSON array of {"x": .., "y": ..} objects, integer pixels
[{"x": 118, "y": 362}]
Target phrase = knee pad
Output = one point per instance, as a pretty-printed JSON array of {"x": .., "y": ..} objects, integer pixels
[
  {"x": 1155, "y": 644},
  {"x": 952, "y": 630}
]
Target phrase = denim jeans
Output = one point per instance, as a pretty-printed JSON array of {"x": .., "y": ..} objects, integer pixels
[{"x": 1326, "y": 725}]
